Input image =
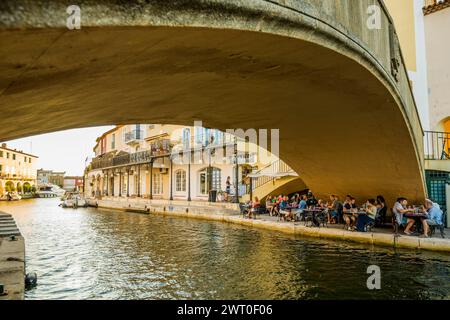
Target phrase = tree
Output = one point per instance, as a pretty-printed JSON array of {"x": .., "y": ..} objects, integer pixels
[
  {"x": 26, "y": 187},
  {"x": 9, "y": 187}
]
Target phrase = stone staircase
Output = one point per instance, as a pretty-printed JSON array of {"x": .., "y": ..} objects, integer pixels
[{"x": 8, "y": 226}]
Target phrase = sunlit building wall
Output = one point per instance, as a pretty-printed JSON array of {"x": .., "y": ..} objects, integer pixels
[{"x": 409, "y": 23}]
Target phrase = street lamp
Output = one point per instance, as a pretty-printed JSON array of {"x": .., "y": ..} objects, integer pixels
[
  {"x": 236, "y": 200},
  {"x": 211, "y": 151}
]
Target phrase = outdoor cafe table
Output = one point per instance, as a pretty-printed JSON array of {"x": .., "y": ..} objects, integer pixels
[
  {"x": 313, "y": 213},
  {"x": 416, "y": 216},
  {"x": 358, "y": 213},
  {"x": 287, "y": 208}
]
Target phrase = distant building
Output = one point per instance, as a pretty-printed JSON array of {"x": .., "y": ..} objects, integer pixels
[
  {"x": 17, "y": 170},
  {"x": 73, "y": 183},
  {"x": 50, "y": 177},
  {"x": 43, "y": 176}
]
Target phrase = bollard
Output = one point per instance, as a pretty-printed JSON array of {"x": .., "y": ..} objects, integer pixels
[{"x": 30, "y": 280}]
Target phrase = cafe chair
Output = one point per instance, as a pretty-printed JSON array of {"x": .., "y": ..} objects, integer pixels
[
  {"x": 322, "y": 218},
  {"x": 309, "y": 219},
  {"x": 394, "y": 222},
  {"x": 381, "y": 217},
  {"x": 244, "y": 209},
  {"x": 369, "y": 227},
  {"x": 441, "y": 230}
]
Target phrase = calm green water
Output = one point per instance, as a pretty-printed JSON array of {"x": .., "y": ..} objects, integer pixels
[{"x": 102, "y": 254}]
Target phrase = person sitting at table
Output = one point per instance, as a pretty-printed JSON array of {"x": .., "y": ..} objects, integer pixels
[
  {"x": 400, "y": 208},
  {"x": 269, "y": 204},
  {"x": 300, "y": 208},
  {"x": 254, "y": 205},
  {"x": 433, "y": 217},
  {"x": 365, "y": 219},
  {"x": 311, "y": 200},
  {"x": 283, "y": 204},
  {"x": 349, "y": 208},
  {"x": 336, "y": 209},
  {"x": 320, "y": 203},
  {"x": 277, "y": 202},
  {"x": 381, "y": 210}
]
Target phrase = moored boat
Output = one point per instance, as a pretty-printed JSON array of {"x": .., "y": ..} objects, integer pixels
[
  {"x": 49, "y": 191},
  {"x": 73, "y": 200},
  {"x": 11, "y": 196}
]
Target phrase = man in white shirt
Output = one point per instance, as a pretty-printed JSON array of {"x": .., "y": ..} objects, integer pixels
[{"x": 399, "y": 209}]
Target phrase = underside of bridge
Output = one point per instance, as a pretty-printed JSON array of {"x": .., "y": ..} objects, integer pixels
[{"x": 341, "y": 127}]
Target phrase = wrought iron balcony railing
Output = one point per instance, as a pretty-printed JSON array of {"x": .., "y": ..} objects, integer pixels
[
  {"x": 158, "y": 148},
  {"x": 134, "y": 135},
  {"x": 437, "y": 145},
  {"x": 431, "y": 6}
]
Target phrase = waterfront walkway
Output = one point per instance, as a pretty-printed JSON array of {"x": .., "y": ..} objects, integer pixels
[
  {"x": 12, "y": 259},
  {"x": 229, "y": 212}
]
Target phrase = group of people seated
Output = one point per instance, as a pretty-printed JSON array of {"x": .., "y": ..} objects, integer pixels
[
  {"x": 429, "y": 214},
  {"x": 288, "y": 209},
  {"x": 291, "y": 209},
  {"x": 371, "y": 213}
]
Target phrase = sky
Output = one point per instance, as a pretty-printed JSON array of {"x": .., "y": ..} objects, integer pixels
[{"x": 63, "y": 150}]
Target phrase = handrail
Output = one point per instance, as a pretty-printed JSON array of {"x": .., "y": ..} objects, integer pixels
[
  {"x": 437, "y": 145},
  {"x": 278, "y": 166}
]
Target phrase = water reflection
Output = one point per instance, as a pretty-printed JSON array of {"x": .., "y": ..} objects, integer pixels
[{"x": 105, "y": 254}]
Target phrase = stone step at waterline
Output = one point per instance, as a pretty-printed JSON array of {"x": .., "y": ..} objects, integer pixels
[
  {"x": 8, "y": 225},
  {"x": 6, "y": 221},
  {"x": 8, "y": 228},
  {"x": 9, "y": 233}
]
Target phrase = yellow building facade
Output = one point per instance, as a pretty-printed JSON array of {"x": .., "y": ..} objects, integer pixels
[{"x": 17, "y": 170}]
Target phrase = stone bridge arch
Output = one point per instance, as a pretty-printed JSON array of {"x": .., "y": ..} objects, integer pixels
[{"x": 311, "y": 68}]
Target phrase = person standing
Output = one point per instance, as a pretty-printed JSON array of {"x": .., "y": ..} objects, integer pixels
[
  {"x": 311, "y": 200},
  {"x": 228, "y": 188}
]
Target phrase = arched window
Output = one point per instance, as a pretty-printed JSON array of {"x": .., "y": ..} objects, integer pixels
[{"x": 180, "y": 181}]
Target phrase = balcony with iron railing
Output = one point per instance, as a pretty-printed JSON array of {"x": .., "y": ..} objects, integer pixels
[
  {"x": 158, "y": 148},
  {"x": 134, "y": 136},
  {"x": 431, "y": 6},
  {"x": 437, "y": 145}
]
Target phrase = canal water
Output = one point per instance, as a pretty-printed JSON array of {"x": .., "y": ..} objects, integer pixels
[{"x": 104, "y": 254}]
